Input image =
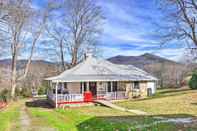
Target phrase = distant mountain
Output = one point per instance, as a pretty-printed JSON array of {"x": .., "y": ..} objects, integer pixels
[
  {"x": 140, "y": 61},
  {"x": 39, "y": 66},
  {"x": 23, "y": 61},
  {"x": 39, "y": 69},
  {"x": 169, "y": 72}
]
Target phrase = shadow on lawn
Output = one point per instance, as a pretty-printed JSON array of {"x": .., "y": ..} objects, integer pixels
[
  {"x": 133, "y": 123},
  {"x": 41, "y": 103},
  {"x": 194, "y": 104}
]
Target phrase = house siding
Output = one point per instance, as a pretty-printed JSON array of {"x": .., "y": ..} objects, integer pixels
[
  {"x": 73, "y": 88},
  {"x": 129, "y": 86},
  {"x": 143, "y": 89},
  {"x": 131, "y": 93}
]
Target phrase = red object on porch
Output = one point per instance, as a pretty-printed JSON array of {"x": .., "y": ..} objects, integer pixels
[{"x": 88, "y": 96}]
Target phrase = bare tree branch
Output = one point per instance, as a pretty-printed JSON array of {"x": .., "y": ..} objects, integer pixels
[
  {"x": 19, "y": 19},
  {"x": 180, "y": 21}
]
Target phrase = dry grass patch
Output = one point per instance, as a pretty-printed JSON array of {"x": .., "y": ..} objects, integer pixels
[{"x": 167, "y": 102}]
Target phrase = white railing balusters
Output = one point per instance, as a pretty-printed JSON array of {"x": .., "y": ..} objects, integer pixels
[
  {"x": 66, "y": 97},
  {"x": 113, "y": 95},
  {"x": 79, "y": 97}
]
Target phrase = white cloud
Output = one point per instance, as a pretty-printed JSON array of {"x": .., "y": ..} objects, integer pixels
[
  {"x": 113, "y": 10},
  {"x": 117, "y": 35},
  {"x": 120, "y": 27},
  {"x": 170, "y": 53},
  {"x": 133, "y": 38}
]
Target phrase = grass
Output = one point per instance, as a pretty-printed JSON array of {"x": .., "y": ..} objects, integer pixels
[
  {"x": 70, "y": 119},
  {"x": 93, "y": 118},
  {"x": 167, "y": 102},
  {"x": 9, "y": 116}
]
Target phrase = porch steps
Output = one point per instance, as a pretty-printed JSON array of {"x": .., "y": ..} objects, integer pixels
[{"x": 111, "y": 105}]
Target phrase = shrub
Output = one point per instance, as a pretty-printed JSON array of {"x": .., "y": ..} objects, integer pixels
[
  {"x": 5, "y": 95},
  {"x": 193, "y": 81},
  {"x": 26, "y": 92},
  {"x": 18, "y": 92},
  {"x": 42, "y": 90}
]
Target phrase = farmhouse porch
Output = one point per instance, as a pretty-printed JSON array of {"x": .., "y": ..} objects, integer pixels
[{"x": 73, "y": 93}]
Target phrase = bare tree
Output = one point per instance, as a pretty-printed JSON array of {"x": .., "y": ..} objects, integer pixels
[
  {"x": 23, "y": 25},
  {"x": 83, "y": 21},
  {"x": 58, "y": 36},
  {"x": 74, "y": 27},
  {"x": 56, "y": 32},
  {"x": 180, "y": 21}
]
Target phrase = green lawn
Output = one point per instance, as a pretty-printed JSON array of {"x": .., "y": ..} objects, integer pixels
[
  {"x": 166, "y": 103},
  {"x": 9, "y": 116},
  {"x": 93, "y": 119}
]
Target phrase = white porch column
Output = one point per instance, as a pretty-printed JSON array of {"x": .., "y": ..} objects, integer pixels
[
  {"x": 56, "y": 100},
  {"x": 50, "y": 84},
  {"x": 82, "y": 87},
  {"x": 111, "y": 86},
  {"x": 88, "y": 86}
]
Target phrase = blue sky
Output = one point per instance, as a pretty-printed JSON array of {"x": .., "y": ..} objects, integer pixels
[{"x": 129, "y": 29}]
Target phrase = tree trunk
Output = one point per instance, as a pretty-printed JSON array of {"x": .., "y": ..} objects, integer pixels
[
  {"x": 62, "y": 55},
  {"x": 74, "y": 58},
  {"x": 13, "y": 76},
  {"x": 13, "y": 88}
]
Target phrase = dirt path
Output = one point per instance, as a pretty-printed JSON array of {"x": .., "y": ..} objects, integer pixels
[{"x": 25, "y": 122}]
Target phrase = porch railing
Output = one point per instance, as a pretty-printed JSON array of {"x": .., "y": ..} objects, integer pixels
[
  {"x": 65, "y": 97},
  {"x": 80, "y": 97},
  {"x": 118, "y": 95}
]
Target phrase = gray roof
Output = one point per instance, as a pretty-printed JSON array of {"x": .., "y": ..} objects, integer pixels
[{"x": 96, "y": 69}]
